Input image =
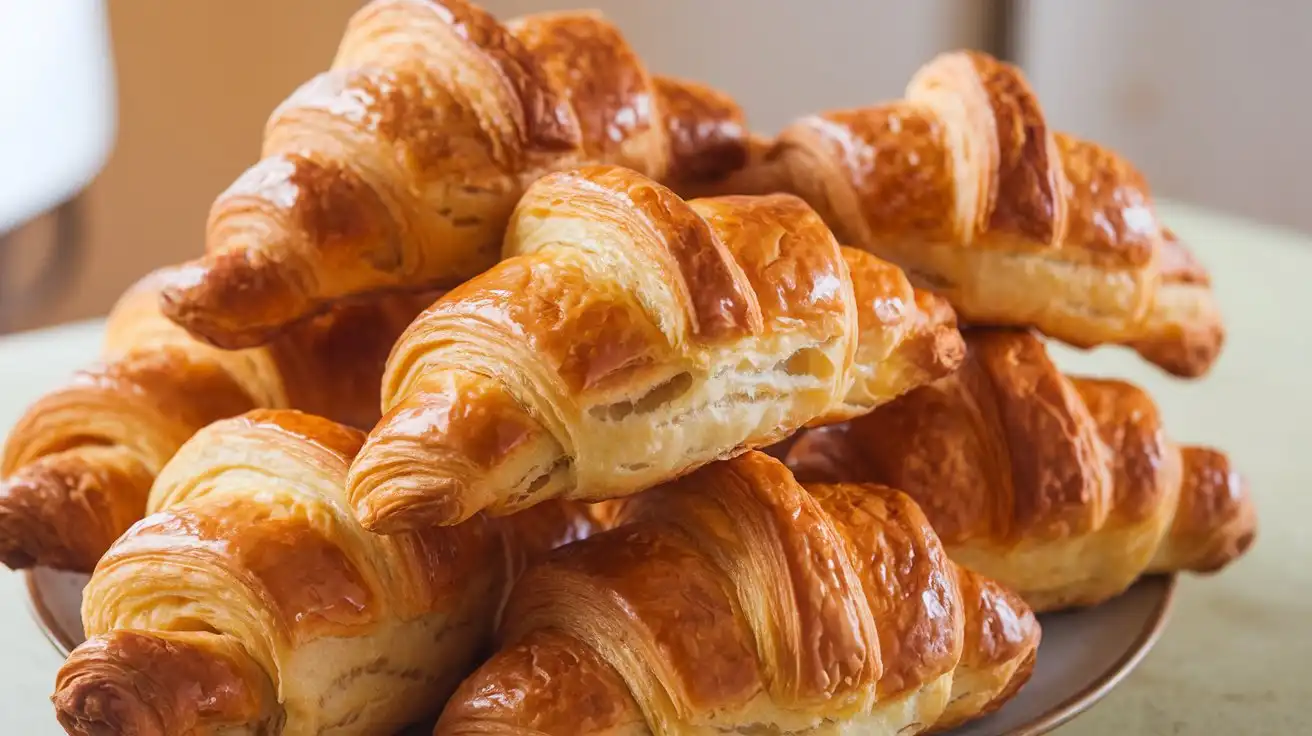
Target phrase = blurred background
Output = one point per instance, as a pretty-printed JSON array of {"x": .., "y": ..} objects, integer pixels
[{"x": 120, "y": 123}]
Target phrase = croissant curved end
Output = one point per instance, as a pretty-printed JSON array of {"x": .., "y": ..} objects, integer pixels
[
  {"x": 31, "y": 533},
  {"x": 235, "y": 299},
  {"x": 1002, "y": 644},
  {"x": 148, "y": 684},
  {"x": 1215, "y": 523},
  {"x": 1186, "y": 335},
  {"x": 65, "y": 509},
  {"x": 458, "y": 444},
  {"x": 555, "y": 686},
  {"x": 398, "y": 491},
  {"x": 232, "y": 302},
  {"x": 708, "y": 137}
]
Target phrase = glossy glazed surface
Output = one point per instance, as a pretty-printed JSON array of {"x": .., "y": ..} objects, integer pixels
[
  {"x": 734, "y": 600},
  {"x": 1065, "y": 489},
  {"x": 631, "y": 336},
  {"x": 249, "y": 600},
  {"x": 963, "y": 183},
  {"x": 398, "y": 168}
]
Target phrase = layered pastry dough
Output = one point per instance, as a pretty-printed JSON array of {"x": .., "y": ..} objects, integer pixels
[
  {"x": 78, "y": 465},
  {"x": 735, "y": 601},
  {"x": 252, "y": 603},
  {"x": 1063, "y": 489},
  {"x": 963, "y": 184},
  {"x": 399, "y": 167},
  {"x": 630, "y": 337}
]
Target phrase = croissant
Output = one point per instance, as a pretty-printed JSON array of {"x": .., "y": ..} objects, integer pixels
[
  {"x": 399, "y": 167},
  {"x": 77, "y": 467},
  {"x": 251, "y": 602},
  {"x": 963, "y": 184},
  {"x": 1063, "y": 489},
  {"x": 735, "y": 601},
  {"x": 630, "y": 337}
]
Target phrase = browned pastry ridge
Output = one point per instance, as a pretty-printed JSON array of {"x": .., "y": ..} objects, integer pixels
[
  {"x": 1064, "y": 489},
  {"x": 399, "y": 167},
  {"x": 631, "y": 336},
  {"x": 735, "y": 601},
  {"x": 250, "y": 602},
  {"x": 78, "y": 465},
  {"x": 963, "y": 184}
]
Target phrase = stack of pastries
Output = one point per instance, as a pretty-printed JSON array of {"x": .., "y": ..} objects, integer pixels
[{"x": 525, "y": 388}]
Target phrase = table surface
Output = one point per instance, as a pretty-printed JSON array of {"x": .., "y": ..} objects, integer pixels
[{"x": 1237, "y": 654}]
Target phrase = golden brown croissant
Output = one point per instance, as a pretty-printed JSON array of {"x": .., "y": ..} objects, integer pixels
[
  {"x": 632, "y": 337},
  {"x": 251, "y": 602},
  {"x": 1065, "y": 490},
  {"x": 963, "y": 184},
  {"x": 399, "y": 167},
  {"x": 77, "y": 467},
  {"x": 734, "y": 601}
]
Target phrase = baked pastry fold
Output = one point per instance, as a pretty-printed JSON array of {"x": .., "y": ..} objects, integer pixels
[
  {"x": 964, "y": 185},
  {"x": 734, "y": 600},
  {"x": 629, "y": 337},
  {"x": 398, "y": 167},
  {"x": 1064, "y": 489},
  {"x": 250, "y": 602},
  {"x": 78, "y": 465}
]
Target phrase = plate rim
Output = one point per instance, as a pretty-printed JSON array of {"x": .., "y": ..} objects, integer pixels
[
  {"x": 1053, "y": 718},
  {"x": 1065, "y": 711},
  {"x": 41, "y": 613}
]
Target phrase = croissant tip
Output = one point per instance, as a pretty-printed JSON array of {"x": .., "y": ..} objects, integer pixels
[
  {"x": 95, "y": 693},
  {"x": 1219, "y": 523},
  {"x": 29, "y": 534},
  {"x": 99, "y": 708},
  {"x": 14, "y": 526},
  {"x": 1183, "y": 357},
  {"x": 232, "y": 302},
  {"x": 382, "y": 508}
]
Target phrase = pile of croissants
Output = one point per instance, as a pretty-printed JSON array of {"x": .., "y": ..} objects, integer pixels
[{"x": 525, "y": 390}]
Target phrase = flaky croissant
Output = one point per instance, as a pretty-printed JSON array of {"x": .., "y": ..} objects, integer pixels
[
  {"x": 252, "y": 603},
  {"x": 735, "y": 601},
  {"x": 630, "y": 337},
  {"x": 399, "y": 167},
  {"x": 963, "y": 184},
  {"x": 1065, "y": 490},
  {"x": 78, "y": 465}
]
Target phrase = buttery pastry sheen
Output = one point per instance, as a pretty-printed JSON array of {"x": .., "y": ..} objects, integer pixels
[
  {"x": 631, "y": 336},
  {"x": 1064, "y": 489},
  {"x": 735, "y": 601},
  {"x": 251, "y": 602},
  {"x": 78, "y": 465},
  {"x": 398, "y": 168},
  {"x": 963, "y": 184}
]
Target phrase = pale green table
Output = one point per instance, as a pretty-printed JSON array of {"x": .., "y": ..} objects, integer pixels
[{"x": 1236, "y": 657}]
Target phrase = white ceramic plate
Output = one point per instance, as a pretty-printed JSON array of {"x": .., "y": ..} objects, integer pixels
[{"x": 1083, "y": 655}]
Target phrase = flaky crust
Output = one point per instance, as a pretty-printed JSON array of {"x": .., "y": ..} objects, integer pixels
[
  {"x": 631, "y": 337},
  {"x": 1064, "y": 489},
  {"x": 963, "y": 184},
  {"x": 250, "y": 599},
  {"x": 78, "y": 465},
  {"x": 398, "y": 168},
  {"x": 735, "y": 601}
]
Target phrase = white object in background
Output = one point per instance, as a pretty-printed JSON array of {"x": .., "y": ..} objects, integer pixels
[
  {"x": 1207, "y": 97},
  {"x": 57, "y": 112}
]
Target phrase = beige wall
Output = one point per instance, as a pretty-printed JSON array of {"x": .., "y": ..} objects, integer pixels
[
  {"x": 1208, "y": 97},
  {"x": 197, "y": 80}
]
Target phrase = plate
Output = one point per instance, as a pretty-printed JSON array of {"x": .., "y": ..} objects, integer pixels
[{"x": 1084, "y": 653}]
